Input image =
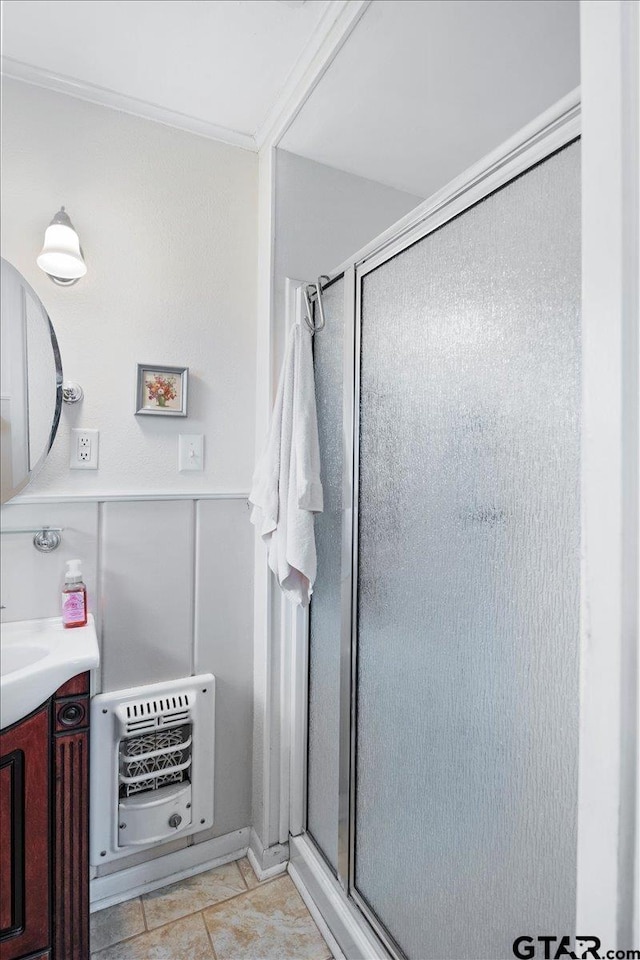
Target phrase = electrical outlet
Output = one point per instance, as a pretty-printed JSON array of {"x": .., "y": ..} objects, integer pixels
[{"x": 85, "y": 446}]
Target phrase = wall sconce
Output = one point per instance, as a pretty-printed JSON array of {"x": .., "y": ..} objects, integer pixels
[{"x": 61, "y": 256}]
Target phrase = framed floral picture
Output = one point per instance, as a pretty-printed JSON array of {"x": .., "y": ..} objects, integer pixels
[{"x": 162, "y": 391}]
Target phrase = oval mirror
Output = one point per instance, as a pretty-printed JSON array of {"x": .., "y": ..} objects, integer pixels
[{"x": 30, "y": 383}]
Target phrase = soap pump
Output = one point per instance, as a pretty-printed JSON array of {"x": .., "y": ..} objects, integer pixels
[{"x": 74, "y": 597}]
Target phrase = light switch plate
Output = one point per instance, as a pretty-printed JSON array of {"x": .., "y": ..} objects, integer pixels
[
  {"x": 85, "y": 447},
  {"x": 190, "y": 452}
]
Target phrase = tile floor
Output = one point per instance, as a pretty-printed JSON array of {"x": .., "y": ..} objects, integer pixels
[{"x": 223, "y": 914}]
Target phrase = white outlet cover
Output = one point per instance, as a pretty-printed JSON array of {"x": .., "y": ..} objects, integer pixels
[
  {"x": 190, "y": 452},
  {"x": 85, "y": 449}
]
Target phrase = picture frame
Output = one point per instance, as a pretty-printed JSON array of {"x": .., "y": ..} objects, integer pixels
[{"x": 161, "y": 390}]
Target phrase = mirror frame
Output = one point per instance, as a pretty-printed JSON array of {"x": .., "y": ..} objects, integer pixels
[{"x": 57, "y": 359}]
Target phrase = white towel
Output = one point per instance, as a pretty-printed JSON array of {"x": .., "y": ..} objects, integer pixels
[{"x": 287, "y": 489}]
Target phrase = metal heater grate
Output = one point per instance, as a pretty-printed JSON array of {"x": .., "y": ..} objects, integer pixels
[{"x": 153, "y": 760}]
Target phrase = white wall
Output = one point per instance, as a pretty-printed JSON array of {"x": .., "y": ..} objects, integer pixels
[
  {"x": 322, "y": 216},
  {"x": 167, "y": 222}
]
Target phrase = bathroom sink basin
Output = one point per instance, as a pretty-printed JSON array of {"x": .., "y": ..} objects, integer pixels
[
  {"x": 17, "y": 657},
  {"x": 37, "y": 657}
]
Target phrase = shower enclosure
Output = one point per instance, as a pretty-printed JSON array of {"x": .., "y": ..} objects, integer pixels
[{"x": 444, "y": 627}]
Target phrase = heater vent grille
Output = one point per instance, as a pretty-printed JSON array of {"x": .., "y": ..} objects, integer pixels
[
  {"x": 153, "y": 760},
  {"x": 152, "y": 750},
  {"x": 140, "y": 715},
  {"x": 157, "y": 712}
]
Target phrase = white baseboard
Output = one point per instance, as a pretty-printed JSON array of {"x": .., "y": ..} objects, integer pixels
[
  {"x": 270, "y": 872},
  {"x": 328, "y": 903},
  {"x": 264, "y": 860},
  {"x": 179, "y": 865}
]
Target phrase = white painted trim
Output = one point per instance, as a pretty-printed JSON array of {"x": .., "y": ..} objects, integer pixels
[
  {"x": 299, "y": 669},
  {"x": 269, "y": 857},
  {"x": 106, "y": 497},
  {"x": 333, "y": 31},
  {"x": 629, "y": 864},
  {"x": 310, "y": 874},
  {"x": 334, "y": 28},
  {"x": 284, "y": 672},
  {"x": 179, "y": 865},
  {"x": 330, "y": 33},
  {"x": 293, "y": 301},
  {"x": 104, "y": 97},
  {"x": 610, "y": 400},
  {"x": 275, "y": 662},
  {"x": 261, "y": 803},
  {"x": 269, "y": 872},
  {"x": 320, "y": 922},
  {"x": 100, "y": 608}
]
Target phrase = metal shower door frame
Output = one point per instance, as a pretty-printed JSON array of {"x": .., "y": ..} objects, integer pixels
[{"x": 554, "y": 129}]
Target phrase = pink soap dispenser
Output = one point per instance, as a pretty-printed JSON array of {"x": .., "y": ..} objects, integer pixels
[{"x": 74, "y": 597}]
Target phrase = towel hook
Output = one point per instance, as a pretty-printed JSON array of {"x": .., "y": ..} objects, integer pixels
[{"x": 310, "y": 290}]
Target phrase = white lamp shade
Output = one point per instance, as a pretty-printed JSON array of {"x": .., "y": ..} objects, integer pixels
[{"x": 60, "y": 255}]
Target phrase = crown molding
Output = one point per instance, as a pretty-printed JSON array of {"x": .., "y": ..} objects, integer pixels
[
  {"x": 91, "y": 93},
  {"x": 333, "y": 29}
]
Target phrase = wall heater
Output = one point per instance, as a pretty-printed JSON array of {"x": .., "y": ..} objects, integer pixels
[{"x": 152, "y": 752}]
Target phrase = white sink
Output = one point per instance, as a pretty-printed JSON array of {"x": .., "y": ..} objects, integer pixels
[
  {"x": 37, "y": 657},
  {"x": 17, "y": 657}
]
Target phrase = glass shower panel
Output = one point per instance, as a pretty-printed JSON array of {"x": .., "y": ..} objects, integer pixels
[
  {"x": 468, "y": 582},
  {"x": 324, "y": 625}
]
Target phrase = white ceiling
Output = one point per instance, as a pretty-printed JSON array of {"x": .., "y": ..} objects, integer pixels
[
  {"x": 420, "y": 90},
  {"x": 222, "y": 63},
  {"x": 424, "y": 88}
]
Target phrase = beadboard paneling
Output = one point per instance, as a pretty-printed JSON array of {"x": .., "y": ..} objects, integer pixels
[
  {"x": 224, "y": 646},
  {"x": 147, "y": 591}
]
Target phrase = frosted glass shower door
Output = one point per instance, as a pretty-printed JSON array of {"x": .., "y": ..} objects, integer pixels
[{"x": 465, "y": 779}]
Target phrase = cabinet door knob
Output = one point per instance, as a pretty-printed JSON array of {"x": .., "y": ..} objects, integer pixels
[{"x": 71, "y": 714}]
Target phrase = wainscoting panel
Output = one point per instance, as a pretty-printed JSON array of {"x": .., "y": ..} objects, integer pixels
[
  {"x": 171, "y": 588},
  {"x": 147, "y": 591},
  {"x": 31, "y": 582},
  {"x": 224, "y": 646}
]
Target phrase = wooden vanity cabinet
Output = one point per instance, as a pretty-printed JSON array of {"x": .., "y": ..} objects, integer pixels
[
  {"x": 25, "y": 853},
  {"x": 44, "y": 830}
]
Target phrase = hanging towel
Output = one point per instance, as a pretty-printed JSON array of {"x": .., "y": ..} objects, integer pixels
[{"x": 287, "y": 489}]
